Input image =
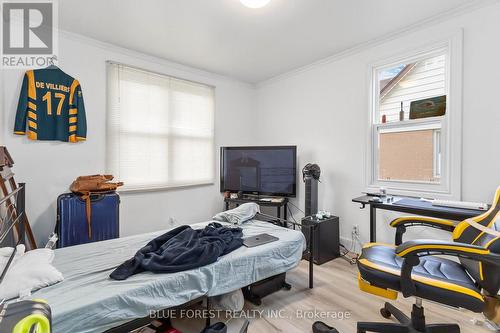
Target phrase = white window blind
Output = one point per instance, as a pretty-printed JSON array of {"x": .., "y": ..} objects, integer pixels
[{"x": 160, "y": 129}]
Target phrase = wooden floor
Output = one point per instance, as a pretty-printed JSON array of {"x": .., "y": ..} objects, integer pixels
[{"x": 337, "y": 296}]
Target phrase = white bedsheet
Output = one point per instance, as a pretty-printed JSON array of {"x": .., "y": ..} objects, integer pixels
[{"x": 89, "y": 301}]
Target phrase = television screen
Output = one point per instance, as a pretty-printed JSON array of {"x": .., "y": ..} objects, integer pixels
[{"x": 259, "y": 170}]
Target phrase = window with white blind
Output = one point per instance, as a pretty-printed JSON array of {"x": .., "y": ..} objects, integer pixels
[
  {"x": 415, "y": 146},
  {"x": 160, "y": 129}
]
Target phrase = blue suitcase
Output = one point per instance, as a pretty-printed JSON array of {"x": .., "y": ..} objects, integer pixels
[{"x": 71, "y": 226}]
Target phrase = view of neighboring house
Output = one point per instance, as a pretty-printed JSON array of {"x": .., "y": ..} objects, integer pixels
[{"x": 410, "y": 153}]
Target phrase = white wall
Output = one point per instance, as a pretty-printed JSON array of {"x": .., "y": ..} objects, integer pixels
[
  {"x": 324, "y": 110},
  {"x": 49, "y": 167}
]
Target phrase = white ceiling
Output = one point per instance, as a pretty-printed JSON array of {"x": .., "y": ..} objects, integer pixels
[{"x": 251, "y": 45}]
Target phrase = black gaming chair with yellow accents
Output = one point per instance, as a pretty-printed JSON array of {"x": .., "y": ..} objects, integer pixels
[{"x": 417, "y": 268}]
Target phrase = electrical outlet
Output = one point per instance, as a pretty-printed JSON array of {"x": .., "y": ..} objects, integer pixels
[
  {"x": 355, "y": 230},
  {"x": 171, "y": 221}
]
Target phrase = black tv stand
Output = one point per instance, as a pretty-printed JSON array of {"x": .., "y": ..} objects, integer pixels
[{"x": 259, "y": 201}]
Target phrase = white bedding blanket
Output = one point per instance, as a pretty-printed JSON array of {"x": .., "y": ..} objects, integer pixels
[{"x": 240, "y": 214}]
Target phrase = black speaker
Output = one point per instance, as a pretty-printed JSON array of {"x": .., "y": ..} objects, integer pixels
[{"x": 311, "y": 196}]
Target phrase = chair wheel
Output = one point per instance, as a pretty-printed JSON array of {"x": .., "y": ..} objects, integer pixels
[{"x": 385, "y": 313}]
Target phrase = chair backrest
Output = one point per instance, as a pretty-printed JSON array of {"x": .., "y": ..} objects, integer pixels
[{"x": 486, "y": 275}]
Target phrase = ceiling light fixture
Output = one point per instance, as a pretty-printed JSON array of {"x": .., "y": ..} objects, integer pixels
[{"x": 255, "y": 3}]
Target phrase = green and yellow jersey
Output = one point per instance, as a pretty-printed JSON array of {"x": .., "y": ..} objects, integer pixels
[{"x": 51, "y": 107}]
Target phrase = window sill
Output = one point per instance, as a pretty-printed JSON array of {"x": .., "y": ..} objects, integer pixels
[
  {"x": 427, "y": 193},
  {"x": 159, "y": 188},
  {"x": 411, "y": 122}
]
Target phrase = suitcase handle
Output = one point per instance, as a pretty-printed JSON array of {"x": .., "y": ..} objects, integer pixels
[{"x": 93, "y": 197}]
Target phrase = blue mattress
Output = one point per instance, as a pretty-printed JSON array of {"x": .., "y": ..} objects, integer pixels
[{"x": 89, "y": 301}]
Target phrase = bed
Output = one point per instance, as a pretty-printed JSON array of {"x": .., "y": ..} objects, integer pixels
[{"x": 89, "y": 301}]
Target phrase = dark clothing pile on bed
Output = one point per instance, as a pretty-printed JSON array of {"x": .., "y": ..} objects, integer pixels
[{"x": 181, "y": 249}]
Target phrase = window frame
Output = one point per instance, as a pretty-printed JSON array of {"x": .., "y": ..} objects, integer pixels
[
  {"x": 151, "y": 187},
  {"x": 449, "y": 186}
]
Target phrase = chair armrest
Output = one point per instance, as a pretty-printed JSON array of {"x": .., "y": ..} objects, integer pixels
[
  {"x": 426, "y": 221},
  {"x": 401, "y": 223},
  {"x": 411, "y": 251},
  {"x": 424, "y": 247}
]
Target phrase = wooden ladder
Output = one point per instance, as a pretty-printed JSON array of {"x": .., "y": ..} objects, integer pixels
[{"x": 7, "y": 180}]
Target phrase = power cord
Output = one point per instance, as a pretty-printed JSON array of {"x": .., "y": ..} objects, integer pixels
[
  {"x": 355, "y": 241},
  {"x": 351, "y": 260},
  {"x": 300, "y": 210},
  {"x": 293, "y": 218},
  {"x": 291, "y": 215}
]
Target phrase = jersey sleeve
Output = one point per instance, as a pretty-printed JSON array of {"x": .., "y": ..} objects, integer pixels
[
  {"x": 78, "y": 120},
  {"x": 22, "y": 109}
]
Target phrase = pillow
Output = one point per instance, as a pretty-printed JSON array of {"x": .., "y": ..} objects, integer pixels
[
  {"x": 6, "y": 252},
  {"x": 29, "y": 271},
  {"x": 238, "y": 215}
]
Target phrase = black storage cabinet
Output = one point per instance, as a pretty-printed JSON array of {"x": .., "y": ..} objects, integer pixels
[{"x": 326, "y": 242}]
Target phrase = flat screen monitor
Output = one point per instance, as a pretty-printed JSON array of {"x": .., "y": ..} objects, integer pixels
[{"x": 266, "y": 170}]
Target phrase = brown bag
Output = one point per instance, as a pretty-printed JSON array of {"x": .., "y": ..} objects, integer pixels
[{"x": 94, "y": 184}]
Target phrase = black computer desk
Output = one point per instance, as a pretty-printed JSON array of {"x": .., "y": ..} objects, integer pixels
[{"x": 412, "y": 205}]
